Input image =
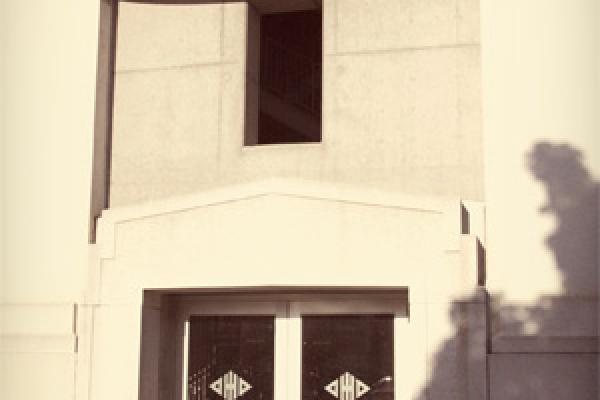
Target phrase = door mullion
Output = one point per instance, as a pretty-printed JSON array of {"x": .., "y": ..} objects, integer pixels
[
  {"x": 294, "y": 352},
  {"x": 186, "y": 358},
  {"x": 281, "y": 351}
]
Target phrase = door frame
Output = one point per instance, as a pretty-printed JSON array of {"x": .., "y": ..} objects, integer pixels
[{"x": 288, "y": 311}]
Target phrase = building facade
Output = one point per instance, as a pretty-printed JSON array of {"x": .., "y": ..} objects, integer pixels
[{"x": 302, "y": 199}]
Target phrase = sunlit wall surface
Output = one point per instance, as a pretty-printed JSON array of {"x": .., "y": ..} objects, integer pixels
[
  {"x": 536, "y": 165},
  {"x": 542, "y": 165}
]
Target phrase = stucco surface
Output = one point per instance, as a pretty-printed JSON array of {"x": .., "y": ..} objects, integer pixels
[
  {"x": 401, "y": 110},
  {"x": 537, "y": 376},
  {"x": 359, "y": 243},
  {"x": 541, "y": 169}
]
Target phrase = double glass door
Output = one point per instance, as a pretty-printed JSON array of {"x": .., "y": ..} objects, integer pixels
[{"x": 292, "y": 350}]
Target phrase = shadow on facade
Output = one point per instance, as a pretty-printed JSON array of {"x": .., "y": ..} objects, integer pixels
[{"x": 556, "y": 350}]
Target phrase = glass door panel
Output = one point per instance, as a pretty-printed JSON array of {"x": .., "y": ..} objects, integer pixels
[
  {"x": 231, "y": 357},
  {"x": 348, "y": 357}
]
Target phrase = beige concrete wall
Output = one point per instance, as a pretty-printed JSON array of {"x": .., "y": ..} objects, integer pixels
[
  {"x": 542, "y": 165},
  {"x": 401, "y": 110},
  {"x": 49, "y": 112},
  {"x": 3, "y": 32},
  {"x": 542, "y": 157},
  {"x": 49, "y": 57},
  {"x": 543, "y": 376},
  {"x": 536, "y": 88}
]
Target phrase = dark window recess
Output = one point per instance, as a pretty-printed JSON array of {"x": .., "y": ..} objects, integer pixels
[
  {"x": 231, "y": 357},
  {"x": 290, "y": 77},
  {"x": 348, "y": 357}
]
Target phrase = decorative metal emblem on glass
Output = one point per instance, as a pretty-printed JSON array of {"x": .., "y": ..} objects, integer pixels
[
  {"x": 347, "y": 387},
  {"x": 230, "y": 386}
]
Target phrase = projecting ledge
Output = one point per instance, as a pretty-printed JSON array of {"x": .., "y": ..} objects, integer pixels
[{"x": 445, "y": 210}]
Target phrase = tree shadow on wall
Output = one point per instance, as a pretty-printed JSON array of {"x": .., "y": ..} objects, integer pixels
[{"x": 567, "y": 324}]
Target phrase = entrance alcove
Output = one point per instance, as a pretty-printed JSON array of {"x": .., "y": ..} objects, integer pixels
[
  {"x": 284, "y": 245},
  {"x": 190, "y": 338}
]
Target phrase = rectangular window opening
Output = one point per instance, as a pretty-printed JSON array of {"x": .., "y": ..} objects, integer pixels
[{"x": 284, "y": 82}]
